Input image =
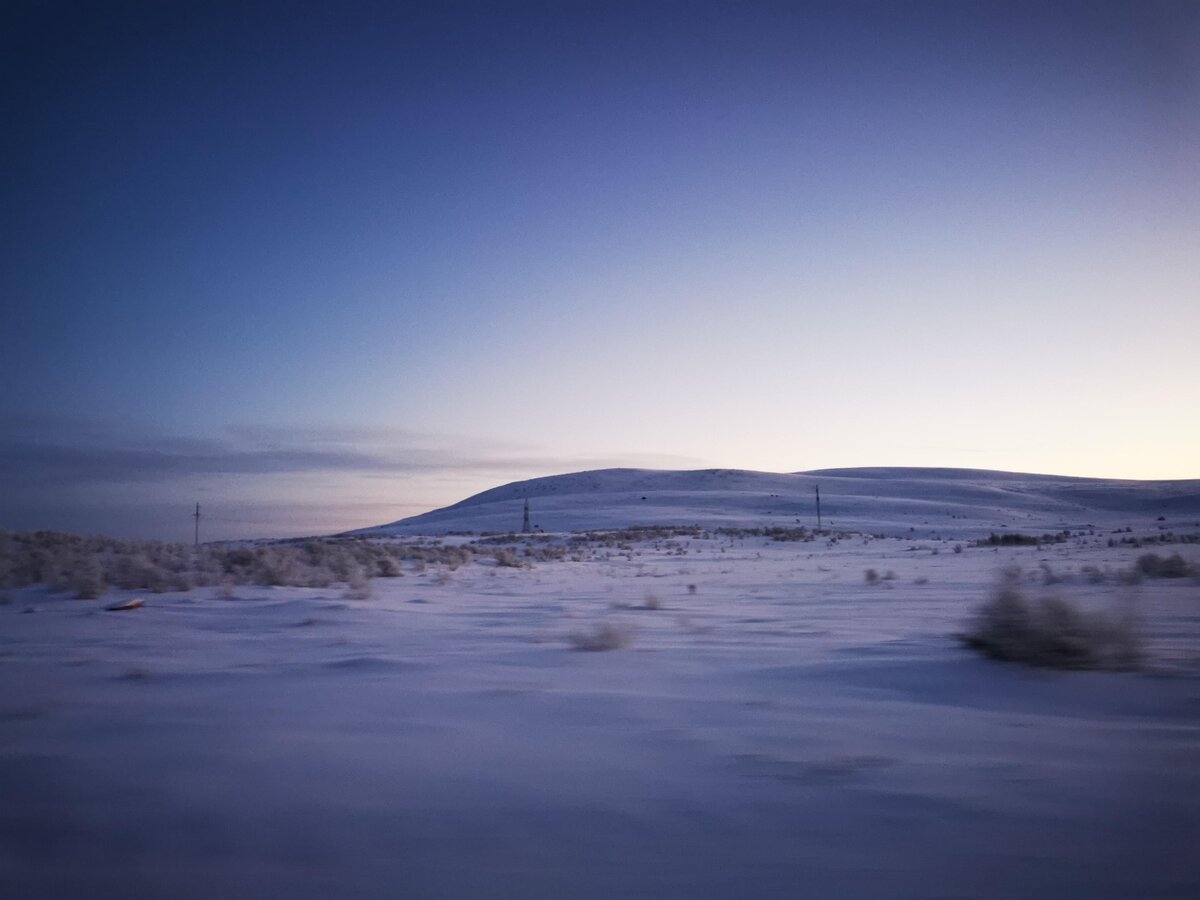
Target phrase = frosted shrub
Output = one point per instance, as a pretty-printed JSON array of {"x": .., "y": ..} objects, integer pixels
[
  {"x": 157, "y": 581},
  {"x": 315, "y": 577},
  {"x": 181, "y": 581},
  {"x": 136, "y": 572},
  {"x": 1052, "y": 632},
  {"x": 455, "y": 556},
  {"x": 65, "y": 561},
  {"x": 341, "y": 563},
  {"x": 387, "y": 567},
  {"x": 88, "y": 581},
  {"x": 358, "y": 587},
  {"x": 274, "y": 568}
]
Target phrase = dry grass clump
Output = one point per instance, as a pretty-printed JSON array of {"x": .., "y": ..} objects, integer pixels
[
  {"x": 1051, "y": 632},
  {"x": 507, "y": 559},
  {"x": 545, "y": 553},
  {"x": 604, "y": 636},
  {"x": 88, "y": 566}
]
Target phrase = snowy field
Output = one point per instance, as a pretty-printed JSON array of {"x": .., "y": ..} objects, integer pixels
[{"x": 775, "y": 724}]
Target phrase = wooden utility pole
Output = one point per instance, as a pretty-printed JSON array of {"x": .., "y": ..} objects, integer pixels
[
  {"x": 196, "y": 516},
  {"x": 818, "y": 507}
]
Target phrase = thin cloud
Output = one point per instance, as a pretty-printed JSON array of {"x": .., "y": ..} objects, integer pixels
[{"x": 56, "y": 451}]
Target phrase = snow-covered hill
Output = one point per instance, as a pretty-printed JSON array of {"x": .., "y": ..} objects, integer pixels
[{"x": 950, "y": 503}]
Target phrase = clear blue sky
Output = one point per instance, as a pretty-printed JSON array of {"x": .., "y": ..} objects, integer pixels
[{"x": 321, "y": 266}]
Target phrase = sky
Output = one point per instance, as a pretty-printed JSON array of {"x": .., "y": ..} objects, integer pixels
[{"x": 319, "y": 266}]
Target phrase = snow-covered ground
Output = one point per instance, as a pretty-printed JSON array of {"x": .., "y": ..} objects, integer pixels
[{"x": 777, "y": 726}]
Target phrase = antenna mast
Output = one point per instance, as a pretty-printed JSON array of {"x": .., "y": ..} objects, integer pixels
[
  {"x": 196, "y": 516},
  {"x": 818, "y": 507}
]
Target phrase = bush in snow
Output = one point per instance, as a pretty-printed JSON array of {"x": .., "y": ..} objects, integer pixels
[
  {"x": 1052, "y": 632},
  {"x": 1154, "y": 566}
]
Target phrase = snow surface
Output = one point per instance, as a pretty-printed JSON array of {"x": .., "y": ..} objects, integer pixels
[
  {"x": 957, "y": 503},
  {"x": 777, "y": 728}
]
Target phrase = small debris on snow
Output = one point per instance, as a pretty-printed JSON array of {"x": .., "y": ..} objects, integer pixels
[{"x": 134, "y": 603}]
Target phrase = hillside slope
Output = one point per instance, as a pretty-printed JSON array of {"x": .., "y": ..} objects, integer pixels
[{"x": 952, "y": 503}]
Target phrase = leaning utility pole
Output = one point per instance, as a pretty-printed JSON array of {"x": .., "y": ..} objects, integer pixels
[
  {"x": 818, "y": 507},
  {"x": 196, "y": 516}
]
